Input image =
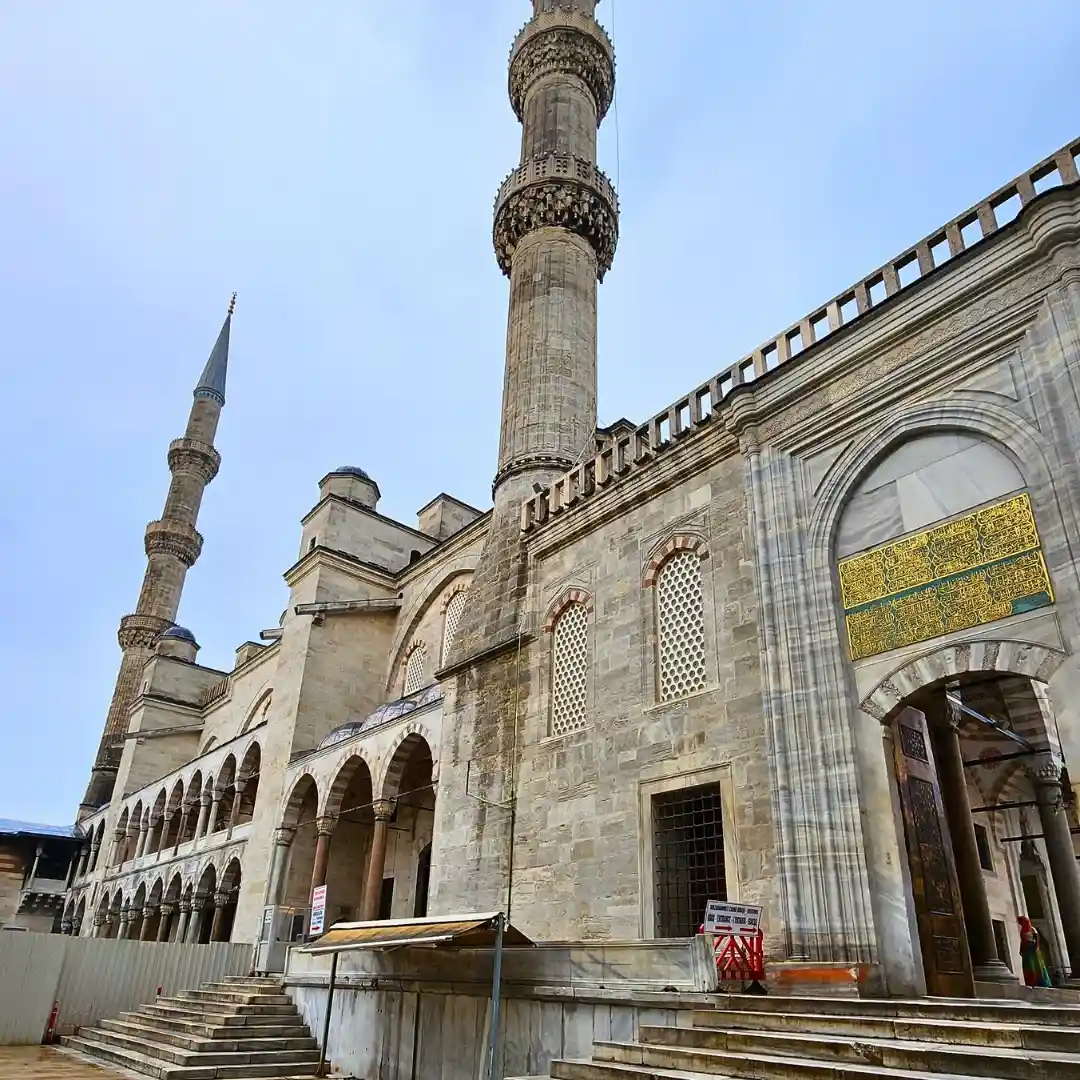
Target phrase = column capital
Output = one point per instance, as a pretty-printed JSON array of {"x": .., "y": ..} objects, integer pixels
[
  {"x": 383, "y": 809},
  {"x": 100, "y": 920},
  {"x": 65, "y": 926},
  {"x": 167, "y": 909},
  {"x": 1047, "y": 770},
  {"x": 149, "y": 911},
  {"x": 221, "y": 898},
  {"x": 185, "y": 906},
  {"x": 326, "y": 824},
  {"x": 285, "y": 835},
  {"x": 205, "y": 798}
]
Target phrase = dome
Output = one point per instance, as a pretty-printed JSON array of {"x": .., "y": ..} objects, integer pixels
[
  {"x": 180, "y": 633},
  {"x": 352, "y": 470}
]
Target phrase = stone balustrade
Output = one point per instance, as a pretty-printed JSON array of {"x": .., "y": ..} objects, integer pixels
[{"x": 629, "y": 452}]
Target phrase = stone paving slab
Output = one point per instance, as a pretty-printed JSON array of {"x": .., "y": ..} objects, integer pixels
[{"x": 48, "y": 1063}]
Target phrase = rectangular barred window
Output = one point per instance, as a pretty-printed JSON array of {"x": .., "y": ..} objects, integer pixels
[{"x": 688, "y": 858}]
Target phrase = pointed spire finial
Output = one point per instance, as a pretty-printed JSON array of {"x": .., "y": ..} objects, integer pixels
[
  {"x": 212, "y": 383},
  {"x": 232, "y": 304}
]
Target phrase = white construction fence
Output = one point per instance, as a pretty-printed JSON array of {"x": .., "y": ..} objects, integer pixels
[{"x": 96, "y": 978}]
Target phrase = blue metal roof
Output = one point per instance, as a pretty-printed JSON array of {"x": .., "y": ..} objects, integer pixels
[{"x": 8, "y": 827}]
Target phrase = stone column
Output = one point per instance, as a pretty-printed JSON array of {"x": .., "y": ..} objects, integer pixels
[
  {"x": 234, "y": 812},
  {"x": 198, "y": 904},
  {"x": 184, "y": 813},
  {"x": 182, "y": 923},
  {"x": 144, "y": 930},
  {"x": 221, "y": 900},
  {"x": 165, "y": 912},
  {"x": 215, "y": 812},
  {"x": 204, "y": 816},
  {"x": 65, "y": 926},
  {"x": 279, "y": 860},
  {"x": 384, "y": 811},
  {"x": 155, "y": 834},
  {"x": 117, "y": 854},
  {"x": 95, "y": 852},
  {"x": 1061, "y": 855},
  {"x": 986, "y": 965},
  {"x": 144, "y": 830},
  {"x": 126, "y": 918},
  {"x": 325, "y": 827},
  {"x": 99, "y": 922},
  {"x": 84, "y": 862}
]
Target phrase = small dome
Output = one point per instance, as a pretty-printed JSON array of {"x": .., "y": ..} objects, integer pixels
[
  {"x": 180, "y": 633},
  {"x": 352, "y": 470}
]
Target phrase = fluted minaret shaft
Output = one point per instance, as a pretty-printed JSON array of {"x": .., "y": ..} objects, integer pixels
[
  {"x": 172, "y": 546},
  {"x": 556, "y": 226}
]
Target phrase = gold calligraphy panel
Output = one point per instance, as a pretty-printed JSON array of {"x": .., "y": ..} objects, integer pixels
[
  {"x": 974, "y": 570},
  {"x": 996, "y": 532}
]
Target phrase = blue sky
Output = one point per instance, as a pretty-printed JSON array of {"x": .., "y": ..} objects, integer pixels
[{"x": 336, "y": 162}]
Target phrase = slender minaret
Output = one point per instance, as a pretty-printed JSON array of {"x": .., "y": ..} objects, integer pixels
[
  {"x": 556, "y": 227},
  {"x": 172, "y": 546}
]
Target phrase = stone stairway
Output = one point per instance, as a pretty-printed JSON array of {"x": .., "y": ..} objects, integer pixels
[
  {"x": 778, "y": 1038},
  {"x": 241, "y": 1028}
]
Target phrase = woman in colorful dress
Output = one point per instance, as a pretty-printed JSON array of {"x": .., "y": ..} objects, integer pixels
[{"x": 1036, "y": 972}]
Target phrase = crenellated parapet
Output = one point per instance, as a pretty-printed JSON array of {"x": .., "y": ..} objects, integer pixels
[
  {"x": 170, "y": 537},
  {"x": 567, "y": 42},
  {"x": 561, "y": 191},
  {"x": 700, "y": 409},
  {"x": 194, "y": 457}
]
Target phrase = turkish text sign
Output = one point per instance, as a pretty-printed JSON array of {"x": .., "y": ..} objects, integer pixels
[
  {"x": 318, "y": 909},
  {"x": 724, "y": 918}
]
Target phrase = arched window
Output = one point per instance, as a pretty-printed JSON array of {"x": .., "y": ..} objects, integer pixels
[
  {"x": 570, "y": 669},
  {"x": 414, "y": 670},
  {"x": 680, "y": 626},
  {"x": 450, "y": 623}
]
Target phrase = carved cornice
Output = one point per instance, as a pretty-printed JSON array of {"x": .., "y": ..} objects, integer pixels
[
  {"x": 563, "y": 45},
  {"x": 140, "y": 631},
  {"x": 173, "y": 538},
  {"x": 560, "y": 191},
  {"x": 194, "y": 456}
]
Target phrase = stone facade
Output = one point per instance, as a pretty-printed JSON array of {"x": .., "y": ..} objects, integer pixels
[{"x": 493, "y": 710}]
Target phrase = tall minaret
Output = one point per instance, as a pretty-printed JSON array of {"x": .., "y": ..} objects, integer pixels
[
  {"x": 556, "y": 227},
  {"x": 172, "y": 546}
]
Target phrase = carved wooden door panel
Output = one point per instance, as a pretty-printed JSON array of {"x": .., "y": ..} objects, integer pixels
[{"x": 933, "y": 870}]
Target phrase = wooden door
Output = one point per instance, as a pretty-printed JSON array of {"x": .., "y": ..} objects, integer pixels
[{"x": 942, "y": 935}]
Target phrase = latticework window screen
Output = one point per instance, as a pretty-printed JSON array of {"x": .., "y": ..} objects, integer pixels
[
  {"x": 414, "y": 670},
  {"x": 450, "y": 624},
  {"x": 680, "y": 619},
  {"x": 570, "y": 670}
]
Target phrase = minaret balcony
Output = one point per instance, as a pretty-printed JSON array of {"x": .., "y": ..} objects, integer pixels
[
  {"x": 141, "y": 631},
  {"x": 561, "y": 191},
  {"x": 194, "y": 456},
  {"x": 568, "y": 43},
  {"x": 173, "y": 538}
]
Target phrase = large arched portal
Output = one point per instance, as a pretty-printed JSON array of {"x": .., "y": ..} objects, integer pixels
[{"x": 987, "y": 821}]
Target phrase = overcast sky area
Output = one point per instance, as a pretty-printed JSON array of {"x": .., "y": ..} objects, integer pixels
[{"x": 335, "y": 162}]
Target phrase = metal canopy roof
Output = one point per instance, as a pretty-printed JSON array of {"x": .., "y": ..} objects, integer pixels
[{"x": 456, "y": 931}]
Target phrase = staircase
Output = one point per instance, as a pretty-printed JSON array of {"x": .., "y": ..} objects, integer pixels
[
  {"x": 244, "y": 1027},
  {"x": 778, "y": 1038}
]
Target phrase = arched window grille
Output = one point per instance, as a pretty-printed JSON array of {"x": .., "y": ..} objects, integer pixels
[
  {"x": 414, "y": 670},
  {"x": 570, "y": 670},
  {"x": 680, "y": 624},
  {"x": 450, "y": 623}
]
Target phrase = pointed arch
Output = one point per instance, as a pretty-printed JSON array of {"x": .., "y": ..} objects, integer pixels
[
  {"x": 354, "y": 773},
  {"x": 679, "y": 542}
]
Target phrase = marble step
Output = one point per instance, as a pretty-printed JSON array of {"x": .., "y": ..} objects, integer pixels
[
  {"x": 238, "y": 998},
  {"x": 177, "y": 1056},
  {"x": 772, "y": 1068},
  {"x": 189, "y": 1010},
  {"x": 193, "y": 1045},
  {"x": 744, "y": 1054},
  {"x": 184, "y": 1032},
  {"x": 149, "y": 1065},
  {"x": 956, "y": 1032},
  {"x": 969, "y": 1009}
]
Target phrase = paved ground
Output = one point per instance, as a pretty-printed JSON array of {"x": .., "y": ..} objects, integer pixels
[{"x": 45, "y": 1063}]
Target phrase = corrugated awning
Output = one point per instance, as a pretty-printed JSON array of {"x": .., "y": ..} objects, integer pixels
[{"x": 457, "y": 931}]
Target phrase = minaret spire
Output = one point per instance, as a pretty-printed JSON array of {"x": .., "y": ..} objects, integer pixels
[{"x": 172, "y": 546}]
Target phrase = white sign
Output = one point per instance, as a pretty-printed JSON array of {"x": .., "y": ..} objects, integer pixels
[
  {"x": 724, "y": 918},
  {"x": 318, "y": 909}
]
